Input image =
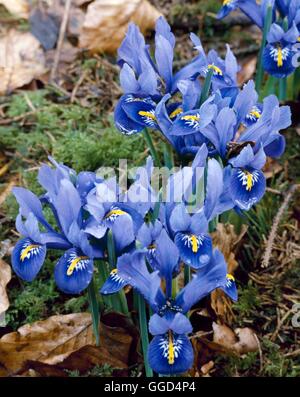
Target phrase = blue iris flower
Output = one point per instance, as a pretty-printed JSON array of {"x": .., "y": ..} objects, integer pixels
[
  {"x": 144, "y": 80},
  {"x": 224, "y": 70},
  {"x": 278, "y": 53},
  {"x": 74, "y": 270},
  {"x": 254, "y": 11},
  {"x": 170, "y": 350},
  {"x": 122, "y": 213}
]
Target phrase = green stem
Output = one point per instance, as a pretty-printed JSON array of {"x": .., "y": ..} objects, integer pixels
[
  {"x": 187, "y": 274},
  {"x": 282, "y": 89},
  {"x": 168, "y": 156},
  {"x": 174, "y": 287},
  {"x": 103, "y": 276},
  {"x": 206, "y": 87},
  {"x": 213, "y": 224},
  {"x": 144, "y": 333},
  {"x": 260, "y": 70},
  {"x": 151, "y": 147},
  {"x": 94, "y": 308}
]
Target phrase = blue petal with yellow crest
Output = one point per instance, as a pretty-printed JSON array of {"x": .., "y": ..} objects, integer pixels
[
  {"x": 28, "y": 258},
  {"x": 113, "y": 284},
  {"x": 140, "y": 110},
  {"x": 123, "y": 123},
  {"x": 195, "y": 250},
  {"x": 73, "y": 272},
  {"x": 170, "y": 353},
  {"x": 230, "y": 287},
  {"x": 247, "y": 187}
]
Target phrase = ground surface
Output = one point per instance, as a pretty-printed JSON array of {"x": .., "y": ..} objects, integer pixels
[{"x": 35, "y": 123}]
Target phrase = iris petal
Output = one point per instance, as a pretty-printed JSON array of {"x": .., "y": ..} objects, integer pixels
[
  {"x": 247, "y": 187},
  {"x": 28, "y": 258},
  {"x": 123, "y": 123},
  {"x": 140, "y": 110},
  {"x": 170, "y": 354},
  {"x": 230, "y": 287},
  {"x": 73, "y": 272},
  {"x": 113, "y": 284},
  {"x": 277, "y": 60},
  {"x": 195, "y": 250},
  {"x": 186, "y": 123}
]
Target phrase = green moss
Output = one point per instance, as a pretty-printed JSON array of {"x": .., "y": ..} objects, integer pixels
[
  {"x": 32, "y": 301},
  {"x": 248, "y": 301},
  {"x": 70, "y": 133}
]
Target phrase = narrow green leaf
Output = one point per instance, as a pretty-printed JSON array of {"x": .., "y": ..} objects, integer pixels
[
  {"x": 151, "y": 147},
  {"x": 206, "y": 87},
  {"x": 94, "y": 309},
  {"x": 260, "y": 70},
  {"x": 144, "y": 333}
]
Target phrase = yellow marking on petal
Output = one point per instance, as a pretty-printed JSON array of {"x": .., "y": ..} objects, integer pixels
[
  {"x": 230, "y": 277},
  {"x": 147, "y": 114},
  {"x": 151, "y": 247},
  {"x": 171, "y": 352},
  {"x": 73, "y": 264},
  {"x": 255, "y": 113},
  {"x": 194, "y": 243},
  {"x": 115, "y": 212},
  {"x": 215, "y": 69},
  {"x": 176, "y": 112},
  {"x": 226, "y": 2},
  {"x": 190, "y": 117},
  {"x": 113, "y": 272},
  {"x": 249, "y": 181},
  {"x": 279, "y": 58},
  {"x": 298, "y": 39},
  {"x": 26, "y": 251}
]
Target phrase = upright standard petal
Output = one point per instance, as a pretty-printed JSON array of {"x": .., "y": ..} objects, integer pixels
[
  {"x": 73, "y": 272},
  {"x": 28, "y": 258}
]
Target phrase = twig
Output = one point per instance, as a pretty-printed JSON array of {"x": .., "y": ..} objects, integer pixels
[
  {"x": 29, "y": 103},
  {"x": 272, "y": 235},
  {"x": 261, "y": 366},
  {"x": 4, "y": 169},
  {"x": 275, "y": 191},
  {"x": 61, "y": 36},
  {"x": 17, "y": 118},
  {"x": 280, "y": 323},
  {"x": 77, "y": 85},
  {"x": 7, "y": 190},
  {"x": 293, "y": 354}
]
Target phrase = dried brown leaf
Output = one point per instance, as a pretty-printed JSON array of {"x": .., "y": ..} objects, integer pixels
[
  {"x": 106, "y": 22},
  {"x": 21, "y": 60},
  {"x": 53, "y": 340},
  {"x": 206, "y": 368},
  {"x": 5, "y": 277},
  {"x": 247, "y": 70},
  {"x": 226, "y": 239},
  {"x": 271, "y": 168},
  {"x": 19, "y": 8},
  {"x": 240, "y": 341}
]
